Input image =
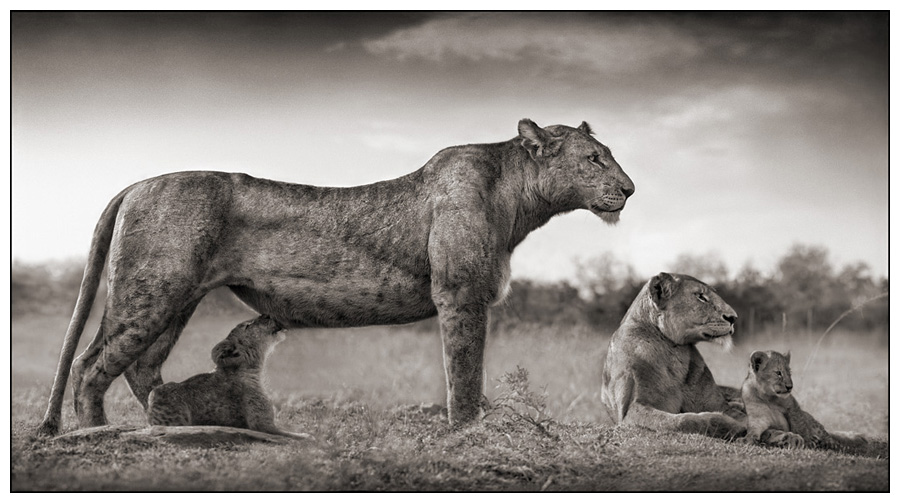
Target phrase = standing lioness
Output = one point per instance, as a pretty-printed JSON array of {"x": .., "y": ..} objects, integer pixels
[
  {"x": 436, "y": 241},
  {"x": 655, "y": 377}
]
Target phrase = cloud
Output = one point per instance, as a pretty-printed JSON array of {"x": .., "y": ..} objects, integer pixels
[
  {"x": 661, "y": 47},
  {"x": 560, "y": 38},
  {"x": 392, "y": 142}
]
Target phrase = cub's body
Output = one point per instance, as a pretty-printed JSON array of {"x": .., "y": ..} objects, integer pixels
[
  {"x": 773, "y": 415},
  {"x": 232, "y": 394}
]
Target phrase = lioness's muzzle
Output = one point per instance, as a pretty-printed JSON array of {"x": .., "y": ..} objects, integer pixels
[
  {"x": 613, "y": 200},
  {"x": 718, "y": 329}
]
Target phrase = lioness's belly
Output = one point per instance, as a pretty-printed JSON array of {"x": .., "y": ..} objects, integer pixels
[{"x": 341, "y": 302}]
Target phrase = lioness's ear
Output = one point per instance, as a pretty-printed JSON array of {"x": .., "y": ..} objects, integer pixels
[
  {"x": 225, "y": 354},
  {"x": 585, "y": 128},
  {"x": 757, "y": 359},
  {"x": 662, "y": 286},
  {"x": 538, "y": 142}
]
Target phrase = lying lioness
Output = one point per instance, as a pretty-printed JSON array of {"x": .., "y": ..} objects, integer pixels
[{"x": 654, "y": 375}]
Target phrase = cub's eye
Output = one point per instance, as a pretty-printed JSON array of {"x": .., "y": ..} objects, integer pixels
[
  {"x": 778, "y": 373},
  {"x": 595, "y": 158},
  {"x": 702, "y": 297}
]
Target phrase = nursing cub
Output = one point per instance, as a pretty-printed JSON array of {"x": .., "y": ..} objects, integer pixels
[{"x": 232, "y": 394}]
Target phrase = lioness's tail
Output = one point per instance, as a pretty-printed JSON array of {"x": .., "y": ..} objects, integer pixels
[{"x": 96, "y": 259}]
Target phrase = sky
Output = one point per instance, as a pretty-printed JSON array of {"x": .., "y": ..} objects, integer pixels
[{"x": 744, "y": 133}]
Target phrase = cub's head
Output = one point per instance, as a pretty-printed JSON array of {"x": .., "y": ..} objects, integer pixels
[
  {"x": 688, "y": 311},
  {"x": 248, "y": 344},
  {"x": 772, "y": 371},
  {"x": 575, "y": 170}
]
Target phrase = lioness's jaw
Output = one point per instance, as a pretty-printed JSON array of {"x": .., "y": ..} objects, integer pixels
[
  {"x": 727, "y": 343},
  {"x": 610, "y": 217}
]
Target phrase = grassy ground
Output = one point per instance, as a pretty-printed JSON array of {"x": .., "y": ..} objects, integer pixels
[{"x": 355, "y": 390}]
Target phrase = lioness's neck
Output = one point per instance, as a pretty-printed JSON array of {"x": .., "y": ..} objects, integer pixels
[{"x": 534, "y": 207}]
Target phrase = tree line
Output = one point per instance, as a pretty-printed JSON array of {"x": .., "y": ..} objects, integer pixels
[{"x": 804, "y": 291}]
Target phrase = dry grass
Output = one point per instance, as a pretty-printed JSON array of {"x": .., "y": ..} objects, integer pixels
[{"x": 352, "y": 390}]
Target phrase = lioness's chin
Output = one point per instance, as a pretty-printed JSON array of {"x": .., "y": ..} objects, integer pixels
[
  {"x": 725, "y": 341},
  {"x": 610, "y": 217}
]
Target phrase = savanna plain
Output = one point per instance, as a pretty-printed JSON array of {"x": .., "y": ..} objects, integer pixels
[{"x": 365, "y": 395}]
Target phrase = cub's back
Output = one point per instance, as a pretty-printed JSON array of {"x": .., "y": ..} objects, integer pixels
[{"x": 202, "y": 400}]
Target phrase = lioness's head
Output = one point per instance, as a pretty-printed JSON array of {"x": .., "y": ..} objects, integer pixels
[
  {"x": 248, "y": 344},
  {"x": 688, "y": 310},
  {"x": 772, "y": 371},
  {"x": 576, "y": 171}
]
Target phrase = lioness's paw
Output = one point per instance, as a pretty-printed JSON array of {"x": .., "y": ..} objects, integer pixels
[
  {"x": 726, "y": 427},
  {"x": 788, "y": 440}
]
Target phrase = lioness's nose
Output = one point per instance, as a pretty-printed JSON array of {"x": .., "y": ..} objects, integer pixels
[
  {"x": 729, "y": 318},
  {"x": 628, "y": 187}
]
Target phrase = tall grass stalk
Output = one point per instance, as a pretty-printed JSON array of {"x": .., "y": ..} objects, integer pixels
[{"x": 835, "y": 322}]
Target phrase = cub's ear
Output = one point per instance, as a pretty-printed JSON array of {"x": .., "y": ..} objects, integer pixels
[
  {"x": 757, "y": 359},
  {"x": 225, "y": 354},
  {"x": 585, "y": 128},
  {"x": 538, "y": 142},
  {"x": 787, "y": 356},
  {"x": 662, "y": 286}
]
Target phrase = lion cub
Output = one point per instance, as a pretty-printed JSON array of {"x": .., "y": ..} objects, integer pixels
[
  {"x": 774, "y": 417},
  {"x": 232, "y": 394}
]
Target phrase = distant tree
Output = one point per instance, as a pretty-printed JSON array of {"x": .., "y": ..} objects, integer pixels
[
  {"x": 609, "y": 285},
  {"x": 752, "y": 296},
  {"x": 604, "y": 274},
  {"x": 545, "y": 303},
  {"x": 813, "y": 295},
  {"x": 856, "y": 280},
  {"x": 708, "y": 268},
  {"x": 854, "y": 289},
  {"x": 50, "y": 287},
  {"x": 30, "y": 285}
]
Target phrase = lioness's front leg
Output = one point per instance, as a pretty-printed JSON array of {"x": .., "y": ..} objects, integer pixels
[
  {"x": 465, "y": 277},
  {"x": 715, "y": 424},
  {"x": 463, "y": 332}
]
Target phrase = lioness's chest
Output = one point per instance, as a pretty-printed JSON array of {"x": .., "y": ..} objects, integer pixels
[{"x": 672, "y": 380}]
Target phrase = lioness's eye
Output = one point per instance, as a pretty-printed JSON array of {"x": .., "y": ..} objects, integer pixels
[
  {"x": 702, "y": 297},
  {"x": 594, "y": 158}
]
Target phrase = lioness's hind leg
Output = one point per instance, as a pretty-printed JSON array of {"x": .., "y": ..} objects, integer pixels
[
  {"x": 146, "y": 372},
  {"x": 125, "y": 336},
  {"x": 83, "y": 362}
]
